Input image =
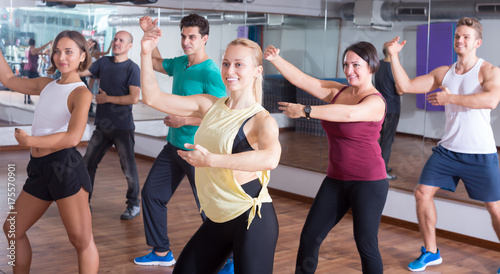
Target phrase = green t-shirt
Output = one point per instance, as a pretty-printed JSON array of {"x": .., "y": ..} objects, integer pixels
[{"x": 202, "y": 78}]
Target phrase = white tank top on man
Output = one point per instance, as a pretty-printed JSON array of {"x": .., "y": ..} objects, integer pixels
[{"x": 467, "y": 130}]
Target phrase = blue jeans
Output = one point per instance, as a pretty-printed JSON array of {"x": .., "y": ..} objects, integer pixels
[
  {"x": 101, "y": 141},
  {"x": 163, "y": 179}
]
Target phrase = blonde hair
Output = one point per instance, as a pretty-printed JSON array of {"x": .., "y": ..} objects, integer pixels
[{"x": 257, "y": 58}]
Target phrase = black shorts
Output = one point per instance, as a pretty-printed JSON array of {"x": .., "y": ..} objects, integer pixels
[{"x": 57, "y": 175}]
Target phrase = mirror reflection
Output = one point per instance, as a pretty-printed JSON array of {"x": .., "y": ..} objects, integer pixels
[{"x": 312, "y": 44}]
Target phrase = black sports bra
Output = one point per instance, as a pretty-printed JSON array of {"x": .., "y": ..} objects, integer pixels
[{"x": 240, "y": 143}]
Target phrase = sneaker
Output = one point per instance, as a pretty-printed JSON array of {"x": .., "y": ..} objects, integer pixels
[
  {"x": 498, "y": 271},
  {"x": 391, "y": 177},
  {"x": 131, "y": 212},
  {"x": 228, "y": 267},
  {"x": 153, "y": 259},
  {"x": 425, "y": 259}
]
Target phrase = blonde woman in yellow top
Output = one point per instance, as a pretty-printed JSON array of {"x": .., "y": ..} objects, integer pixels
[{"x": 235, "y": 147}]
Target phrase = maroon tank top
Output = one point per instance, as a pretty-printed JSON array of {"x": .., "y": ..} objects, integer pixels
[
  {"x": 354, "y": 152},
  {"x": 32, "y": 64}
]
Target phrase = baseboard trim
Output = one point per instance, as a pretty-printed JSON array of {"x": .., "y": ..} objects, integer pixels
[
  {"x": 404, "y": 224},
  {"x": 445, "y": 234}
]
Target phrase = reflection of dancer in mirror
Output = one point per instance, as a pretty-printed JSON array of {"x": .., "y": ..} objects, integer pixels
[
  {"x": 356, "y": 177},
  {"x": 384, "y": 83},
  {"x": 234, "y": 149},
  {"x": 56, "y": 171},
  {"x": 31, "y": 67},
  {"x": 96, "y": 53},
  {"x": 193, "y": 73},
  {"x": 470, "y": 88}
]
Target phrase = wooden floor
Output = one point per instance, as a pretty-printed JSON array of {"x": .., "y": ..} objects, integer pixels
[{"x": 119, "y": 242}]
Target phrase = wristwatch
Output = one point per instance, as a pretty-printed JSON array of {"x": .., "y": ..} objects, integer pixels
[{"x": 307, "y": 111}]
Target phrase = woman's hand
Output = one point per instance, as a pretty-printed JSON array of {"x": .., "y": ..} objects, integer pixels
[
  {"x": 147, "y": 23},
  {"x": 198, "y": 157},
  {"x": 292, "y": 110},
  {"x": 270, "y": 53},
  {"x": 21, "y": 137},
  {"x": 150, "y": 40}
]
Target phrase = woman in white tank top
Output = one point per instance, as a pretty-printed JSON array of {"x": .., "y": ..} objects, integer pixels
[{"x": 58, "y": 126}]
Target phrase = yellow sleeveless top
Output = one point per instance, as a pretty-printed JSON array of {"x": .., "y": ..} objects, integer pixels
[{"x": 220, "y": 195}]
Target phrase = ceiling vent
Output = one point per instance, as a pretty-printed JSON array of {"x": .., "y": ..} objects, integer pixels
[
  {"x": 367, "y": 15},
  {"x": 408, "y": 11},
  {"x": 135, "y": 2},
  {"x": 488, "y": 8}
]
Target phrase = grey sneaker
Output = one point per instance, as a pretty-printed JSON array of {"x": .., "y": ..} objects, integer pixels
[
  {"x": 130, "y": 212},
  {"x": 391, "y": 177}
]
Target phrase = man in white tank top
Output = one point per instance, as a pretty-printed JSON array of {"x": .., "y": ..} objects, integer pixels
[{"x": 470, "y": 88}]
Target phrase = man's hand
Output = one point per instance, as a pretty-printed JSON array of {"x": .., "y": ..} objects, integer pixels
[
  {"x": 174, "y": 121},
  {"x": 394, "y": 47},
  {"x": 440, "y": 98},
  {"x": 102, "y": 97}
]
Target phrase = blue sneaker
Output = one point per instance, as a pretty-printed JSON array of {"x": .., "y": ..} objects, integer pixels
[
  {"x": 425, "y": 259},
  {"x": 498, "y": 271},
  {"x": 228, "y": 267},
  {"x": 153, "y": 259}
]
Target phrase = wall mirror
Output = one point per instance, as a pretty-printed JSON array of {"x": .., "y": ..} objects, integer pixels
[{"x": 312, "y": 43}]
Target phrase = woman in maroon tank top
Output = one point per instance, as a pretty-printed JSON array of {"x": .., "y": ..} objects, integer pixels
[
  {"x": 356, "y": 177},
  {"x": 31, "y": 67}
]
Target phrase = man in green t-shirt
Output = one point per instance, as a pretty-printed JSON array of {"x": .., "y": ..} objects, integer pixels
[{"x": 194, "y": 73}]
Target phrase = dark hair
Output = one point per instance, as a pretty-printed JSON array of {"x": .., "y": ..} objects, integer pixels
[
  {"x": 367, "y": 52},
  {"x": 31, "y": 42},
  {"x": 385, "y": 51},
  {"x": 473, "y": 23},
  {"x": 95, "y": 46},
  {"x": 195, "y": 20},
  {"x": 80, "y": 42}
]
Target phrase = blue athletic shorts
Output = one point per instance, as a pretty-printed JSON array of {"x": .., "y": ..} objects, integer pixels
[
  {"x": 57, "y": 175},
  {"x": 479, "y": 172}
]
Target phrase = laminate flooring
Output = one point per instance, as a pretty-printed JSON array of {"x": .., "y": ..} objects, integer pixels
[{"x": 119, "y": 242}]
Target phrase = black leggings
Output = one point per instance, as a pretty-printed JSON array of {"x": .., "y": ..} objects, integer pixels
[
  {"x": 253, "y": 248},
  {"x": 366, "y": 199}
]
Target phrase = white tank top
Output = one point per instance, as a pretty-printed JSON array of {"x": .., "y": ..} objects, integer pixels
[
  {"x": 467, "y": 130},
  {"x": 51, "y": 113}
]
